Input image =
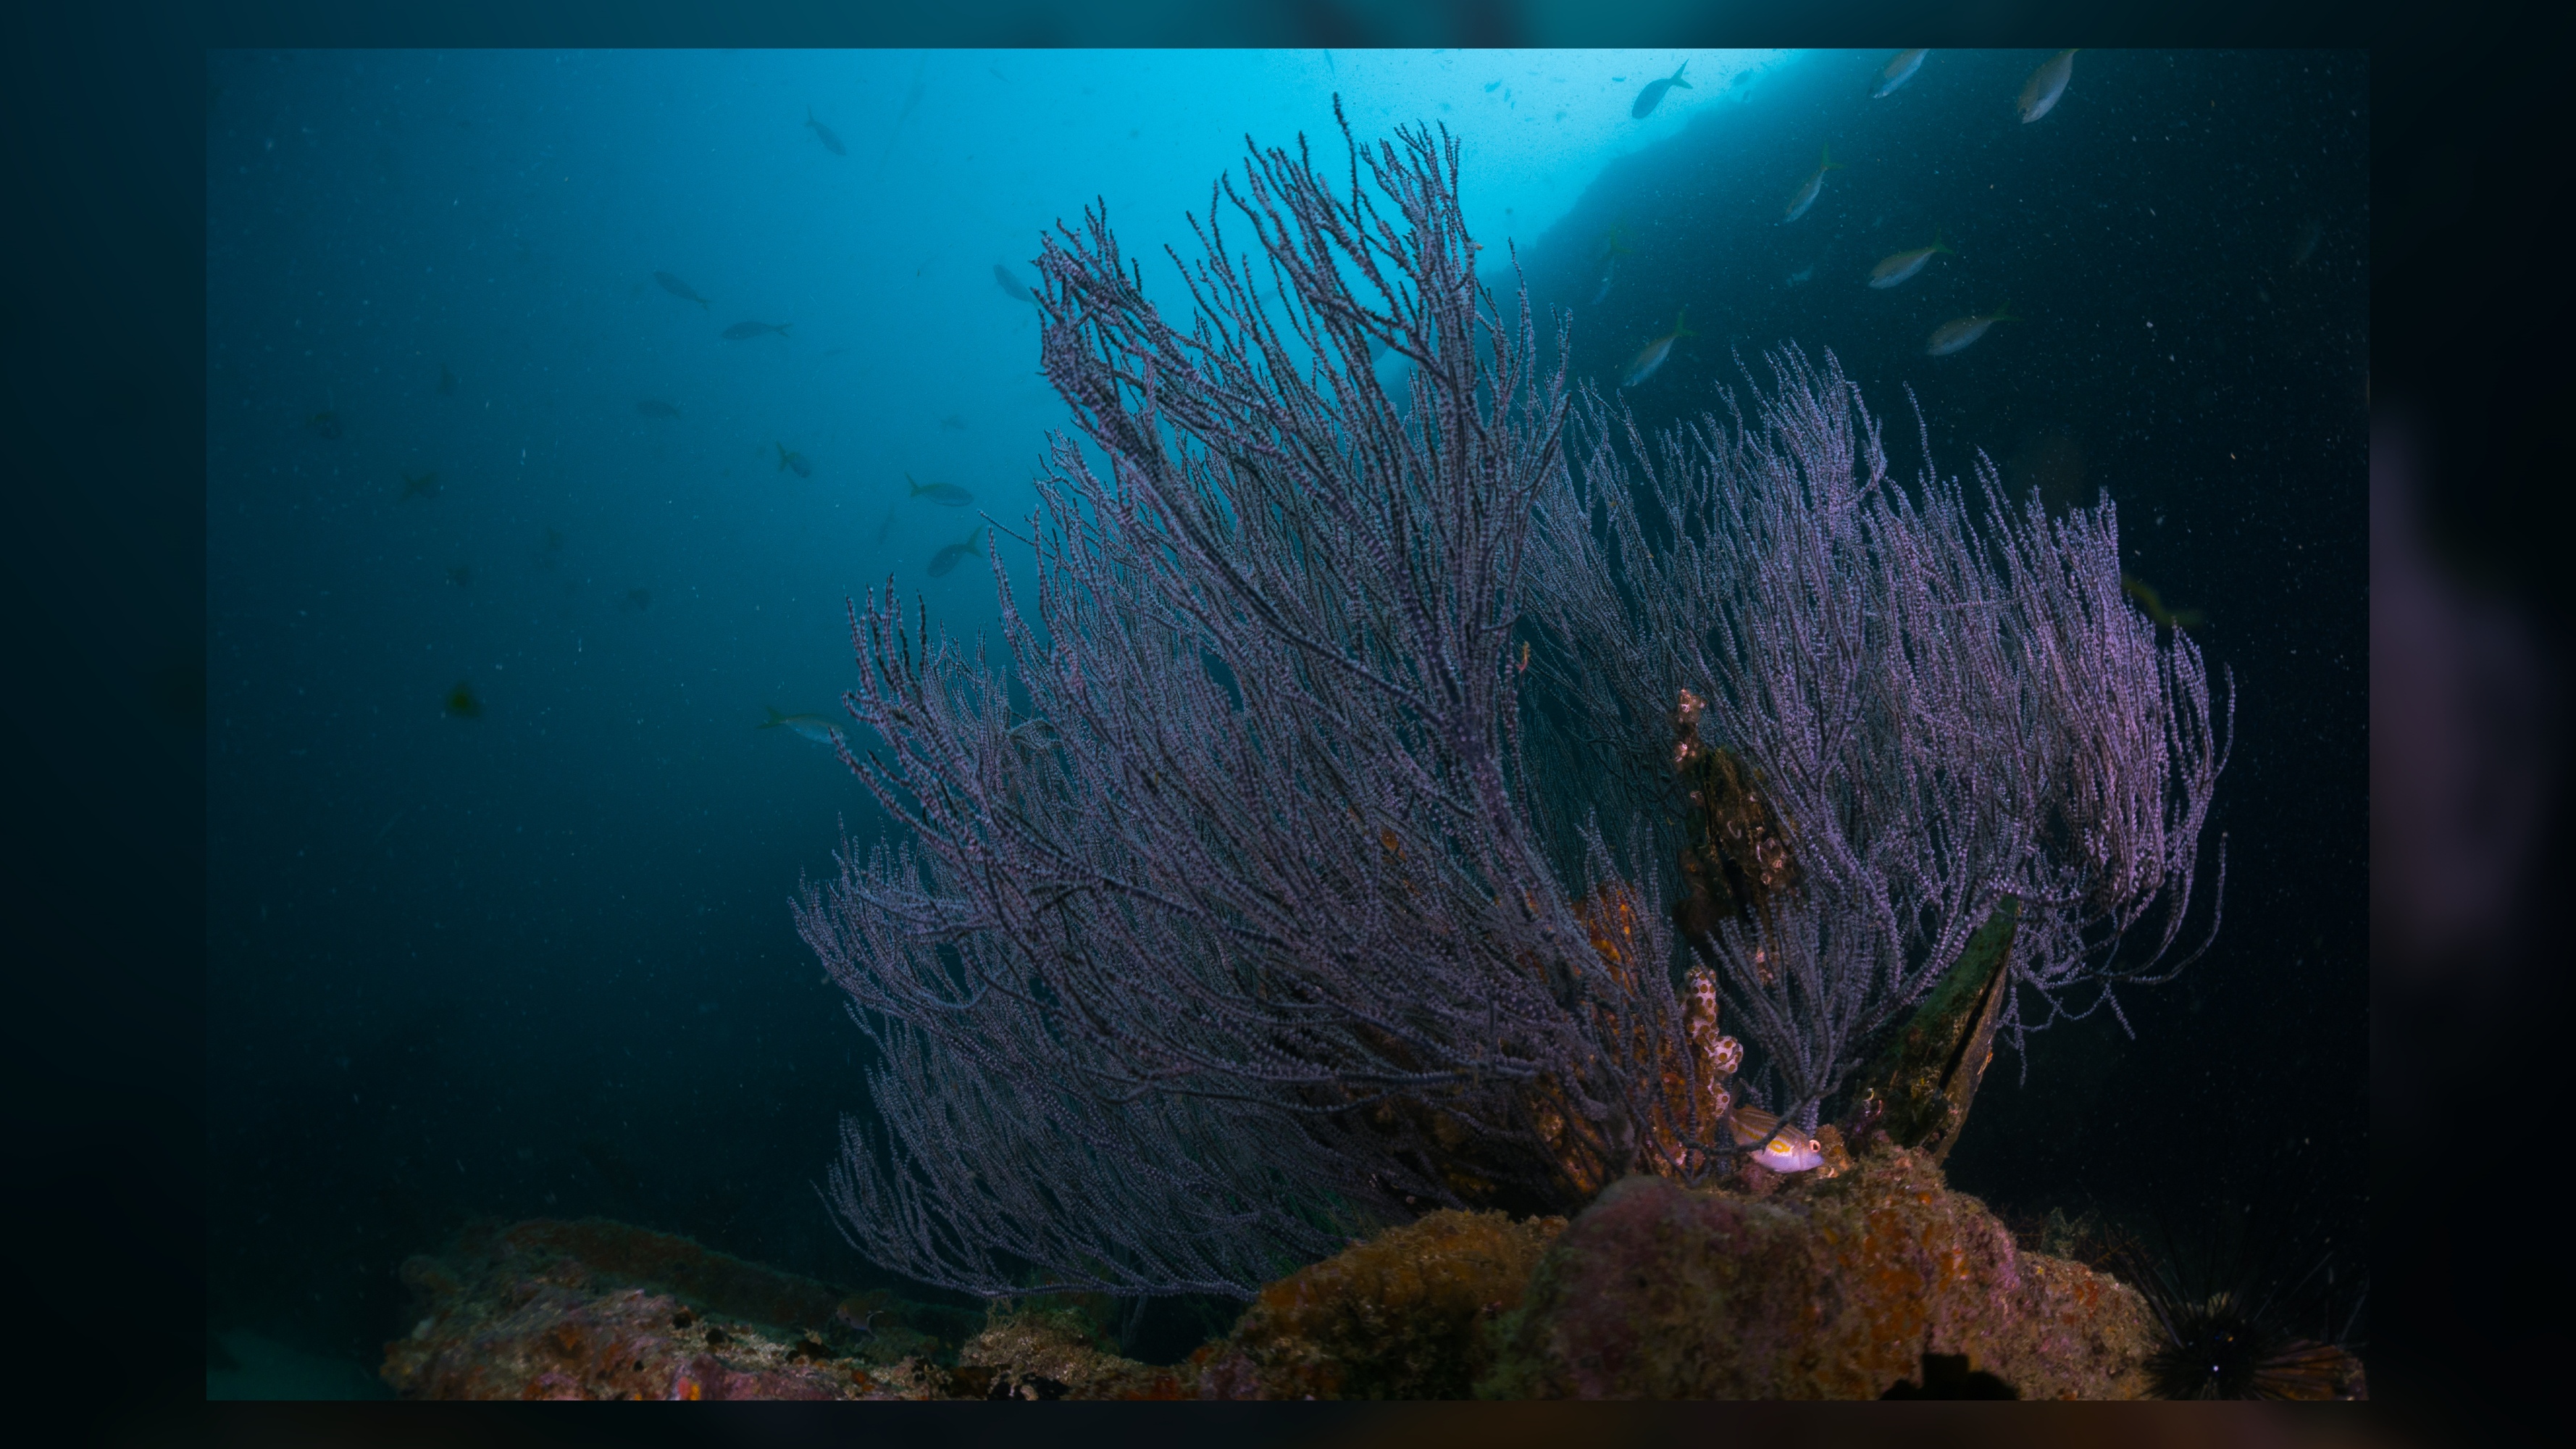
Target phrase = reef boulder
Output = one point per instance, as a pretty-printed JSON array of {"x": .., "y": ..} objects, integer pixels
[
  {"x": 1826, "y": 1288},
  {"x": 1407, "y": 1314}
]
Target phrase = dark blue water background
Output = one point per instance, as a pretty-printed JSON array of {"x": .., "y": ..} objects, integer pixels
[{"x": 538, "y": 961}]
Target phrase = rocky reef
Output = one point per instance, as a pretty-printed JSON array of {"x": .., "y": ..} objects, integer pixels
[
  {"x": 1825, "y": 1288},
  {"x": 1867, "y": 1278},
  {"x": 595, "y": 1309}
]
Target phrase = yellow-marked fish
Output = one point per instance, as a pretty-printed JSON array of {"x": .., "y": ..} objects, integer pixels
[
  {"x": 1751, "y": 1125},
  {"x": 1960, "y": 333},
  {"x": 2154, "y": 605},
  {"x": 1652, "y": 355},
  {"x": 1785, "y": 1151},
  {"x": 2039, "y": 94},
  {"x": 1791, "y": 1152},
  {"x": 1815, "y": 186},
  {"x": 1900, "y": 268},
  {"x": 1899, "y": 71}
]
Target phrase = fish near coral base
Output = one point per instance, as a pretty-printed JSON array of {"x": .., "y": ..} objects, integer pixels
[{"x": 1830, "y": 1289}]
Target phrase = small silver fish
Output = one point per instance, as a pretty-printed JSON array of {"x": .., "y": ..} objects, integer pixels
[
  {"x": 1814, "y": 188},
  {"x": 812, "y": 726},
  {"x": 1899, "y": 71},
  {"x": 2039, "y": 94},
  {"x": 1959, "y": 333},
  {"x": 1652, "y": 355},
  {"x": 741, "y": 330},
  {"x": 1900, "y": 268}
]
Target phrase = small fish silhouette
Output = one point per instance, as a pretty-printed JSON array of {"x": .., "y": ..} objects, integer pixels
[
  {"x": 424, "y": 486},
  {"x": 812, "y": 726},
  {"x": 680, "y": 289},
  {"x": 325, "y": 423},
  {"x": 1960, "y": 333},
  {"x": 788, "y": 458},
  {"x": 461, "y": 702},
  {"x": 653, "y": 408},
  {"x": 741, "y": 330},
  {"x": 1652, "y": 355},
  {"x": 824, "y": 134},
  {"x": 1899, "y": 71},
  {"x": 2039, "y": 94},
  {"x": 446, "y": 381},
  {"x": 946, "y": 559},
  {"x": 1814, "y": 187},
  {"x": 946, "y": 495},
  {"x": 1653, "y": 95},
  {"x": 1895, "y": 270}
]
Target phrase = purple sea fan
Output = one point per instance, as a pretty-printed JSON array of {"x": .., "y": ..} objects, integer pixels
[
  {"x": 1942, "y": 711},
  {"x": 1220, "y": 927},
  {"x": 1309, "y": 865}
]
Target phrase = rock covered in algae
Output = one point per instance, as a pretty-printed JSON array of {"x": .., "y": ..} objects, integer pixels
[
  {"x": 1053, "y": 1352},
  {"x": 1406, "y": 1315},
  {"x": 597, "y": 1309},
  {"x": 1830, "y": 1289}
]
